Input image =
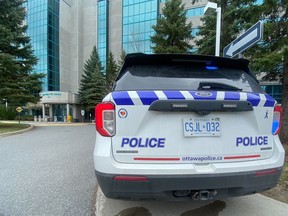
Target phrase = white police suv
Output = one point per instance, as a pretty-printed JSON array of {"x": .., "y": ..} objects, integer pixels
[{"x": 186, "y": 127}]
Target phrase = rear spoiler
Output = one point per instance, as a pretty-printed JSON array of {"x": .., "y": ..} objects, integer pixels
[{"x": 141, "y": 58}]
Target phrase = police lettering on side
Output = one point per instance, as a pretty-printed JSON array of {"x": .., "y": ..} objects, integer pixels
[
  {"x": 252, "y": 141},
  {"x": 143, "y": 142}
]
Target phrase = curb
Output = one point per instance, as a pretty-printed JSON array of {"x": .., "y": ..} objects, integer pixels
[
  {"x": 17, "y": 132},
  {"x": 61, "y": 124},
  {"x": 100, "y": 201}
]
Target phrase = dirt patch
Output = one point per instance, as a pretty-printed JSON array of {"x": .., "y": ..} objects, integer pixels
[
  {"x": 280, "y": 192},
  {"x": 135, "y": 211}
]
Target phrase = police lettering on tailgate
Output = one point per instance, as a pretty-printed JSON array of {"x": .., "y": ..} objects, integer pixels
[
  {"x": 252, "y": 141},
  {"x": 143, "y": 142}
]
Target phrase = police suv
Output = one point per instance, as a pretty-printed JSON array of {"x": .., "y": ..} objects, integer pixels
[{"x": 186, "y": 127}]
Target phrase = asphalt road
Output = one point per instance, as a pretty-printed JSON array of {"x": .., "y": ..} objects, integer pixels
[{"x": 48, "y": 171}]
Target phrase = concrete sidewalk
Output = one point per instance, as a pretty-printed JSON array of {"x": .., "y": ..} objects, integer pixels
[
  {"x": 40, "y": 124},
  {"x": 252, "y": 205}
]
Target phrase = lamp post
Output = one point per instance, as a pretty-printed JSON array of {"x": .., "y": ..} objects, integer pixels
[
  {"x": 6, "y": 103},
  {"x": 213, "y": 6}
]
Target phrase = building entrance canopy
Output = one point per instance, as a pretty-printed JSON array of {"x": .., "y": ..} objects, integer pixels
[{"x": 55, "y": 100}]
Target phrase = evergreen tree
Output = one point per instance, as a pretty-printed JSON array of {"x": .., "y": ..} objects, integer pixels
[
  {"x": 111, "y": 71},
  {"x": 87, "y": 85},
  {"x": 271, "y": 55},
  {"x": 172, "y": 32},
  {"x": 122, "y": 59},
  {"x": 236, "y": 17},
  {"x": 96, "y": 89},
  {"x": 268, "y": 56},
  {"x": 19, "y": 84}
]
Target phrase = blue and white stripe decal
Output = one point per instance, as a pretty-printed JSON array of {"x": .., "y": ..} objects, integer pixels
[
  {"x": 270, "y": 101},
  {"x": 122, "y": 98},
  {"x": 148, "y": 97}
]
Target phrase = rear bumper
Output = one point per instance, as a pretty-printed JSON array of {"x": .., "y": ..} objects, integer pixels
[
  {"x": 228, "y": 179},
  {"x": 163, "y": 187}
]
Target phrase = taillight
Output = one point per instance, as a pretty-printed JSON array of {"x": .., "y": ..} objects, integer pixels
[
  {"x": 105, "y": 119},
  {"x": 131, "y": 178},
  {"x": 277, "y": 119}
]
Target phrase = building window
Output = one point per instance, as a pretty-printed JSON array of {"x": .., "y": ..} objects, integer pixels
[
  {"x": 195, "y": 32},
  {"x": 274, "y": 90},
  {"x": 259, "y": 2},
  {"x": 138, "y": 18},
  {"x": 102, "y": 43},
  {"x": 199, "y": 11}
]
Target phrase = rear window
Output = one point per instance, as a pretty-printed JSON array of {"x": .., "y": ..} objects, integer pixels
[{"x": 185, "y": 77}]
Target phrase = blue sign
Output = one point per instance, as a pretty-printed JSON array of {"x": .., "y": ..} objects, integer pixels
[{"x": 244, "y": 41}]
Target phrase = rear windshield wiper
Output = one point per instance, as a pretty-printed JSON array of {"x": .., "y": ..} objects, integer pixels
[{"x": 217, "y": 86}]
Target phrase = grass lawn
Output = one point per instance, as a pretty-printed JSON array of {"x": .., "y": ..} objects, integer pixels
[{"x": 11, "y": 127}]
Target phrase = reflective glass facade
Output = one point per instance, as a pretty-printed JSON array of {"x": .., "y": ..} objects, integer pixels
[
  {"x": 199, "y": 11},
  {"x": 193, "y": 12},
  {"x": 43, "y": 29},
  {"x": 195, "y": 32},
  {"x": 275, "y": 90},
  {"x": 190, "y": 13},
  {"x": 53, "y": 45},
  {"x": 138, "y": 17},
  {"x": 102, "y": 31},
  {"x": 259, "y": 2}
]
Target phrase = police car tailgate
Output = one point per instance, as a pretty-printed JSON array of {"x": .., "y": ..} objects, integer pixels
[{"x": 192, "y": 126}]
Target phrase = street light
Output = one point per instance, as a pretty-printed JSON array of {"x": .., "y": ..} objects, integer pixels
[
  {"x": 6, "y": 103},
  {"x": 213, "y": 6}
]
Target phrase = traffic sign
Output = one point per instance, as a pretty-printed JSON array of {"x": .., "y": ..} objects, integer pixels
[
  {"x": 19, "y": 109},
  {"x": 244, "y": 41},
  {"x": 82, "y": 112}
]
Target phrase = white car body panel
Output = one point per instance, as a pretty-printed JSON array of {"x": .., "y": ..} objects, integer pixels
[{"x": 105, "y": 163}]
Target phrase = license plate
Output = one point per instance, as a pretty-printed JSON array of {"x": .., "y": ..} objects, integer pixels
[{"x": 193, "y": 127}]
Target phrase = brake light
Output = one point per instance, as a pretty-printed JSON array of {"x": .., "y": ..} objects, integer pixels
[
  {"x": 105, "y": 119},
  {"x": 277, "y": 119},
  {"x": 266, "y": 172}
]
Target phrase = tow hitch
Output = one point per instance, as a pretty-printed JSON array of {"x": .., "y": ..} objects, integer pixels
[
  {"x": 196, "y": 195},
  {"x": 204, "y": 195}
]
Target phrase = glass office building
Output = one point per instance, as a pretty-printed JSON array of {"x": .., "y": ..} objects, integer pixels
[
  {"x": 127, "y": 24},
  {"x": 115, "y": 25},
  {"x": 63, "y": 33},
  {"x": 43, "y": 27}
]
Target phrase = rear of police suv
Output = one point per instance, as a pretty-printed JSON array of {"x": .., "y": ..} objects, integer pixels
[{"x": 178, "y": 127}]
